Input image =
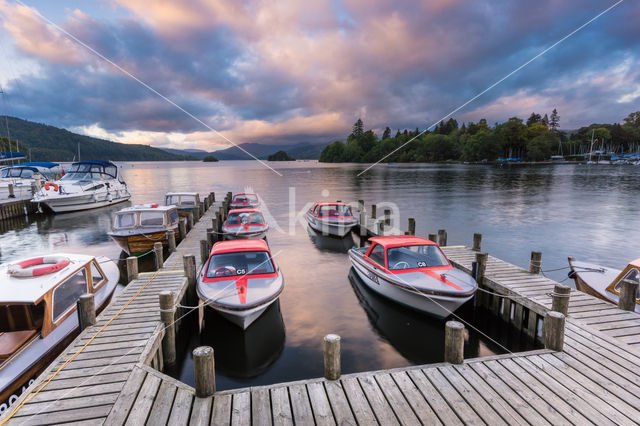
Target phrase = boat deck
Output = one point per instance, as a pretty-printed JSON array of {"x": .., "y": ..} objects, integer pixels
[{"x": 594, "y": 380}]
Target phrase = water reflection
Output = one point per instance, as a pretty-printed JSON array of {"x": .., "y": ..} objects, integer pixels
[
  {"x": 330, "y": 243},
  {"x": 249, "y": 353}
]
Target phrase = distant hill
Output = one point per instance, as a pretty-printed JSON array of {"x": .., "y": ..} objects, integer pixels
[
  {"x": 48, "y": 143},
  {"x": 305, "y": 151}
]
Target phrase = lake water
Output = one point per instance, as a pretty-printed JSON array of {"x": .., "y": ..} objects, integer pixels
[{"x": 588, "y": 212}]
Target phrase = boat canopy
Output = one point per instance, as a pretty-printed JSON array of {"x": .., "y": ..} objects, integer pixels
[
  {"x": 239, "y": 245},
  {"x": 332, "y": 210},
  {"x": 245, "y": 198},
  {"x": 92, "y": 170},
  {"x": 182, "y": 199},
  {"x": 245, "y": 217},
  {"x": 400, "y": 240},
  {"x": 27, "y": 170},
  {"x": 146, "y": 217}
]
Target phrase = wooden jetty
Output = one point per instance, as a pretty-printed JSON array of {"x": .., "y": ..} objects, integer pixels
[
  {"x": 115, "y": 379},
  {"x": 16, "y": 208}
]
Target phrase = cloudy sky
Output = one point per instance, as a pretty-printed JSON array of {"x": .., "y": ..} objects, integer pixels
[{"x": 303, "y": 71}]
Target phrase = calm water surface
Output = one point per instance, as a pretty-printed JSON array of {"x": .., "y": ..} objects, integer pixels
[{"x": 586, "y": 212}]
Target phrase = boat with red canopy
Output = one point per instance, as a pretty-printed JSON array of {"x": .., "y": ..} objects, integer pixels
[
  {"x": 240, "y": 280},
  {"x": 413, "y": 271},
  {"x": 331, "y": 218},
  {"x": 244, "y": 224},
  {"x": 244, "y": 200}
]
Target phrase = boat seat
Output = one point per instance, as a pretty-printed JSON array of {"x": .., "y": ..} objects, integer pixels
[{"x": 11, "y": 341}]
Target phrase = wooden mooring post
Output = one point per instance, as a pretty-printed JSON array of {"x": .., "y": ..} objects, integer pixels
[
  {"x": 182, "y": 228},
  {"x": 86, "y": 311},
  {"x": 157, "y": 251},
  {"x": 132, "y": 268},
  {"x": 433, "y": 237},
  {"x": 204, "y": 251},
  {"x": 411, "y": 227},
  {"x": 331, "y": 348},
  {"x": 204, "y": 371},
  {"x": 560, "y": 299},
  {"x": 190, "y": 221},
  {"x": 454, "y": 342},
  {"x": 628, "y": 294},
  {"x": 189, "y": 265},
  {"x": 535, "y": 265},
  {"x": 442, "y": 238},
  {"x": 374, "y": 211},
  {"x": 553, "y": 331},
  {"x": 171, "y": 240},
  {"x": 477, "y": 242},
  {"x": 387, "y": 217},
  {"x": 167, "y": 312}
]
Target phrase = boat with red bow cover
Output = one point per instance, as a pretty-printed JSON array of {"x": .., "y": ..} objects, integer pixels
[
  {"x": 331, "y": 218},
  {"x": 413, "y": 271},
  {"x": 245, "y": 224},
  {"x": 240, "y": 280},
  {"x": 244, "y": 200}
]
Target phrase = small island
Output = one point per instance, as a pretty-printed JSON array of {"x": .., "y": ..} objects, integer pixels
[
  {"x": 280, "y": 156},
  {"x": 210, "y": 159}
]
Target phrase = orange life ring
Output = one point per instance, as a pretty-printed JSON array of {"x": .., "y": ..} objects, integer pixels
[
  {"x": 54, "y": 264},
  {"x": 48, "y": 184}
]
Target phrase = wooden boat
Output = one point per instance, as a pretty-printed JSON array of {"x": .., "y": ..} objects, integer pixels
[
  {"x": 137, "y": 228},
  {"x": 603, "y": 282},
  {"x": 245, "y": 224},
  {"x": 38, "y": 312},
  {"x": 244, "y": 200},
  {"x": 87, "y": 185},
  {"x": 331, "y": 218},
  {"x": 414, "y": 272},
  {"x": 185, "y": 201},
  {"x": 240, "y": 280}
]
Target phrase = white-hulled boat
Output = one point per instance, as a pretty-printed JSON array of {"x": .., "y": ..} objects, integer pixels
[
  {"x": 185, "y": 201},
  {"x": 603, "y": 282},
  {"x": 245, "y": 224},
  {"x": 331, "y": 218},
  {"x": 38, "y": 312},
  {"x": 245, "y": 200},
  {"x": 86, "y": 185},
  {"x": 22, "y": 178},
  {"x": 136, "y": 229},
  {"x": 414, "y": 272},
  {"x": 240, "y": 280}
]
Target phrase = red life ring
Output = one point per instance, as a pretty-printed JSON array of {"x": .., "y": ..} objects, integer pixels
[
  {"x": 48, "y": 184},
  {"x": 55, "y": 264}
]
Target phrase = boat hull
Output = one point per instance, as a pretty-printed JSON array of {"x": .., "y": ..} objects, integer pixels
[
  {"x": 83, "y": 202},
  {"x": 140, "y": 243},
  {"x": 439, "y": 306},
  {"x": 245, "y": 235},
  {"x": 244, "y": 318}
]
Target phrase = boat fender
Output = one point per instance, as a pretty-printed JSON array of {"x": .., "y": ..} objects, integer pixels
[
  {"x": 54, "y": 264},
  {"x": 51, "y": 184},
  {"x": 571, "y": 274}
]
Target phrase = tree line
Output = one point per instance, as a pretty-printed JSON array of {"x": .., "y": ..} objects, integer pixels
[{"x": 535, "y": 139}]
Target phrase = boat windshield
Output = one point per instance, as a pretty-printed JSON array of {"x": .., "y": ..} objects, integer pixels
[
  {"x": 632, "y": 275},
  {"x": 151, "y": 218},
  {"x": 125, "y": 220},
  {"x": 88, "y": 172},
  {"x": 410, "y": 257},
  {"x": 240, "y": 263},
  {"x": 245, "y": 218},
  {"x": 334, "y": 210},
  {"x": 21, "y": 317},
  {"x": 180, "y": 200},
  {"x": 173, "y": 216},
  {"x": 245, "y": 198},
  {"x": 16, "y": 172}
]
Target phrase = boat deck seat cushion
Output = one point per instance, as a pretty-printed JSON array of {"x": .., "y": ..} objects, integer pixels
[{"x": 12, "y": 341}]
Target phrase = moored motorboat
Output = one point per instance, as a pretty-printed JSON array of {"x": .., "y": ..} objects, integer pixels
[
  {"x": 240, "y": 280},
  {"x": 245, "y": 224},
  {"x": 22, "y": 180},
  {"x": 38, "y": 312},
  {"x": 186, "y": 202},
  {"x": 413, "y": 271},
  {"x": 331, "y": 218},
  {"x": 604, "y": 282},
  {"x": 244, "y": 200},
  {"x": 86, "y": 185},
  {"x": 136, "y": 229}
]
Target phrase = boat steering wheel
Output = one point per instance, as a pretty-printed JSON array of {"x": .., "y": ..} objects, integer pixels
[
  {"x": 401, "y": 265},
  {"x": 224, "y": 271}
]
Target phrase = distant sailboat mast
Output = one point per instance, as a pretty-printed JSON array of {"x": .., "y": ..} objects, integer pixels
[
  {"x": 591, "y": 148},
  {"x": 78, "y": 151}
]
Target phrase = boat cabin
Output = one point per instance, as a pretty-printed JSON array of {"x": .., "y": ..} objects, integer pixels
[
  {"x": 146, "y": 216},
  {"x": 49, "y": 171},
  {"x": 245, "y": 200},
  {"x": 632, "y": 273},
  {"x": 184, "y": 201},
  {"x": 32, "y": 305},
  {"x": 241, "y": 217},
  {"x": 405, "y": 253},
  {"x": 328, "y": 210},
  {"x": 239, "y": 257}
]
